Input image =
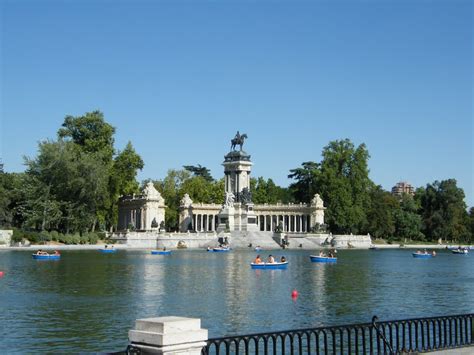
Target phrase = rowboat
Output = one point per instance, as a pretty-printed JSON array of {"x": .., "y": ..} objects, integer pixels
[
  {"x": 270, "y": 266},
  {"x": 46, "y": 256},
  {"x": 220, "y": 249},
  {"x": 108, "y": 250},
  {"x": 258, "y": 248},
  {"x": 422, "y": 255},
  {"x": 460, "y": 251},
  {"x": 322, "y": 259},
  {"x": 161, "y": 252}
]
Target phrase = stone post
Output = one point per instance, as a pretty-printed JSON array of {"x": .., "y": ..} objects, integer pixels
[{"x": 169, "y": 336}]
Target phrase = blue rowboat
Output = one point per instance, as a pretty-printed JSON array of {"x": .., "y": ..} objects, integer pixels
[
  {"x": 108, "y": 251},
  {"x": 270, "y": 266},
  {"x": 46, "y": 257},
  {"x": 422, "y": 255},
  {"x": 322, "y": 259},
  {"x": 220, "y": 249},
  {"x": 258, "y": 249},
  {"x": 161, "y": 252}
]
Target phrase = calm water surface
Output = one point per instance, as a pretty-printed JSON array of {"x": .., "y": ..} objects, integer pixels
[{"x": 88, "y": 301}]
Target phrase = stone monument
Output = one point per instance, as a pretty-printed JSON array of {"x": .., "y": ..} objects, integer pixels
[{"x": 237, "y": 212}]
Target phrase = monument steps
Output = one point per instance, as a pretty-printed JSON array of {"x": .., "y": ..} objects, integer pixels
[{"x": 242, "y": 239}]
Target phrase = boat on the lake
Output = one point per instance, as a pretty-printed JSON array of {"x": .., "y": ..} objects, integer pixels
[
  {"x": 270, "y": 266},
  {"x": 323, "y": 259},
  {"x": 219, "y": 249},
  {"x": 161, "y": 252},
  {"x": 46, "y": 256},
  {"x": 258, "y": 248},
  {"x": 373, "y": 247},
  {"x": 108, "y": 250},
  {"x": 462, "y": 251},
  {"x": 423, "y": 255}
]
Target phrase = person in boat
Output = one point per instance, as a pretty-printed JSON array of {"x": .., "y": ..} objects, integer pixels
[
  {"x": 209, "y": 248},
  {"x": 258, "y": 260},
  {"x": 321, "y": 254},
  {"x": 425, "y": 252},
  {"x": 106, "y": 246},
  {"x": 282, "y": 259},
  {"x": 41, "y": 252},
  {"x": 56, "y": 252},
  {"x": 164, "y": 248},
  {"x": 271, "y": 259},
  {"x": 433, "y": 253}
]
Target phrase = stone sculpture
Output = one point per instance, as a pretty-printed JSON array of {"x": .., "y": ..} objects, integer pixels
[
  {"x": 186, "y": 201},
  {"x": 229, "y": 200}
]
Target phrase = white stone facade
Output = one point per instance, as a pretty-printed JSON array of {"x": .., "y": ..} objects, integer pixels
[
  {"x": 5, "y": 237},
  {"x": 299, "y": 218},
  {"x": 143, "y": 212}
]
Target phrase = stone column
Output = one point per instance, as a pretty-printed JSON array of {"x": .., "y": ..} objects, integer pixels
[{"x": 168, "y": 336}]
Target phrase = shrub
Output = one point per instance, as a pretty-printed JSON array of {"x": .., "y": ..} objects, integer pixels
[
  {"x": 17, "y": 236},
  {"x": 44, "y": 236},
  {"x": 54, "y": 236},
  {"x": 93, "y": 238},
  {"x": 76, "y": 238}
]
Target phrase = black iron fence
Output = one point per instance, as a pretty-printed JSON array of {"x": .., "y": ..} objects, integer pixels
[{"x": 388, "y": 337}]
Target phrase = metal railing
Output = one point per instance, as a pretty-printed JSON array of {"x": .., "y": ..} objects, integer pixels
[{"x": 388, "y": 337}]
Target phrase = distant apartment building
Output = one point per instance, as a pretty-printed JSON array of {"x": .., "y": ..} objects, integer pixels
[{"x": 403, "y": 187}]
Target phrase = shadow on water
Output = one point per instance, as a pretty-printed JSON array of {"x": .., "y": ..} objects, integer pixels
[{"x": 88, "y": 301}]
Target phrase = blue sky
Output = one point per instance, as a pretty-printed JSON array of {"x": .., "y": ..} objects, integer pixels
[{"x": 179, "y": 78}]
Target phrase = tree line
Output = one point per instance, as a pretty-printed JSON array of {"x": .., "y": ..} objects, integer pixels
[{"x": 72, "y": 187}]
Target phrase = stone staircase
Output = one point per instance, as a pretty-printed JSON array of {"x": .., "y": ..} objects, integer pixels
[{"x": 266, "y": 240}]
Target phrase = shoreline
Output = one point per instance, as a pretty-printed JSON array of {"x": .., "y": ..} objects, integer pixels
[{"x": 126, "y": 247}]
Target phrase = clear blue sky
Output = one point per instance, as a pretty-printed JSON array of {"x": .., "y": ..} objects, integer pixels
[{"x": 179, "y": 78}]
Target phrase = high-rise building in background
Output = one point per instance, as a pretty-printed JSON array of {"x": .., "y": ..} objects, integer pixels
[{"x": 403, "y": 187}]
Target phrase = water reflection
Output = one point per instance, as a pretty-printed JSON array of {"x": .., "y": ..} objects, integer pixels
[{"x": 88, "y": 301}]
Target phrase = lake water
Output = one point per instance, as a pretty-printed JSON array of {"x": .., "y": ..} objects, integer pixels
[{"x": 88, "y": 301}]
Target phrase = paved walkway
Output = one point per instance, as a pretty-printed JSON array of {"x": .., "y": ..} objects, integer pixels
[{"x": 460, "y": 351}]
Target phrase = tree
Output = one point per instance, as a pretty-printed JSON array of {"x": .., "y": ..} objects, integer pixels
[
  {"x": 408, "y": 223},
  {"x": 307, "y": 179},
  {"x": 122, "y": 180},
  {"x": 266, "y": 191},
  {"x": 471, "y": 224},
  {"x": 344, "y": 185},
  {"x": 380, "y": 215},
  {"x": 199, "y": 171},
  {"x": 169, "y": 188},
  {"x": 342, "y": 179},
  {"x": 444, "y": 211},
  {"x": 90, "y": 132}
]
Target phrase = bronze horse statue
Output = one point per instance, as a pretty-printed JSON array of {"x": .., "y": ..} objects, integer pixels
[{"x": 238, "y": 140}]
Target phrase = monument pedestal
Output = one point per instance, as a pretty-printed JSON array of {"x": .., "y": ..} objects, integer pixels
[{"x": 226, "y": 220}]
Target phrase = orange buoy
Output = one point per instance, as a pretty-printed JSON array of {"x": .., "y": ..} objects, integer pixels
[
  {"x": 2, "y": 273},
  {"x": 294, "y": 294}
]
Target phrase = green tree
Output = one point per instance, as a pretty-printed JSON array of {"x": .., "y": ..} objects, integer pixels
[
  {"x": 90, "y": 132},
  {"x": 471, "y": 224},
  {"x": 444, "y": 212},
  {"x": 307, "y": 179},
  {"x": 266, "y": 191},
  {"x": 381, "y": 223},
  {"x": 199, "y": 171},
  {"x": 122, "y": 181},
  {"x": 344, "y": 185},
  {"x": 408, "y": 222},
  {"x": 169, "y": 188}
]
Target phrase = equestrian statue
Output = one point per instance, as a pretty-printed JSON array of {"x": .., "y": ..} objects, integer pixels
[{"x": 238, "y": 140}]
